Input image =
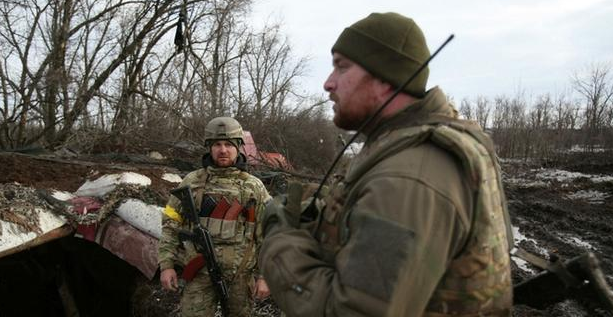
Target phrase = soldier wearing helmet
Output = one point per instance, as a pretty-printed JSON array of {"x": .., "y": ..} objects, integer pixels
[
  {"x": 229, "y": 201},
  {"x": 223, "y": 136}
]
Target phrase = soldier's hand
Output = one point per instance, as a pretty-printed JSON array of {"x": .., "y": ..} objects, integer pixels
[
  {"x": 169, "y": 280},
  {"x": 261, "y": 290},
  {"x": 292, "y": 210}
]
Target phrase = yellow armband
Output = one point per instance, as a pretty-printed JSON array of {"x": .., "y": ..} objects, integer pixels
[{"x": 172, "y": 214}]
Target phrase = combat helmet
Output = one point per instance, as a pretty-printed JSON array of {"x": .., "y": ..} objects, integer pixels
[{"x": 224, "y": 128}]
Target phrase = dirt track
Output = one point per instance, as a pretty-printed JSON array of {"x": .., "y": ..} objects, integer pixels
[{"x": 551, "y": 218}]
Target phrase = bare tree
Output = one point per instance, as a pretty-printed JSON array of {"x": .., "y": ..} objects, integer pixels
[
  {"x": 215, "y": 55},
  {"x": 70, "y": 68},
  {"x": 67, "y": 51},
  {"x": 509, "y": 123},
  {"x": 540, "y": 113},
  {"x": 564, "y": 122},
  {"x": 305, "y": 136},
  {"x": 596, "y": 87},
  {"x": 541, "y": 137},
  {"x": 482, "y": 111},
  {"x": 466, "y": 110},
  {"x": 271, "y": 72}
]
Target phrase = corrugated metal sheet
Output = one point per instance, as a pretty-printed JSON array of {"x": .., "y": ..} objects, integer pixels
[{"x": 130, "y": 244}]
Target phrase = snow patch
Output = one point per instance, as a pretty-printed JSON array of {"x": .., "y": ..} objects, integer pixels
[
  {"x": 173, "y": 178},
  {"x": 63, "y": 196},
  {"x": 564, "y": 176},
  {"x": 156, "y": 155},
  {"x": 602, "y": 179},
  {"x": 13, "y": 237},
  {"x": 107, "y": 183},
  {"x": 354, "y": 149},
  {"x": 147, "y": 218},
  {"x": 592, "y": 196},
  {"x": 519, "y": 237},
  {"x": 582, "y": 149},
  {"x": 522, "y": 183},
  {"x": 522, "y": 265},
  {"x": 558, "y": 175},
  {"x": 580, "y": 243},
  {"x": 514, "y": 160}
]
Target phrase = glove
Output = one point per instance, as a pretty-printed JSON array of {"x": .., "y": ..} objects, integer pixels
[
  {"x": 274, "y": 218},
  {"x": 283, "y": 211}
]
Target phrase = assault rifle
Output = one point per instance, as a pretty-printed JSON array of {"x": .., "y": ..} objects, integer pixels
[
  {"x": 580, "y": 277},
  {"x": 201, "y": 238}
]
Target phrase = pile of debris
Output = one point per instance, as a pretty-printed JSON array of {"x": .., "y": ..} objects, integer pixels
[
  {"x": 107, "y": 229},
  {"x": 92, "y": 252}
]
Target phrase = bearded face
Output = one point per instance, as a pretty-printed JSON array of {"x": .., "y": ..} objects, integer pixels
[{"x": 352, "y": 89}]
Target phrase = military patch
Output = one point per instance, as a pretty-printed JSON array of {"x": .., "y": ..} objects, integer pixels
[{"x": 379, "y": 248}]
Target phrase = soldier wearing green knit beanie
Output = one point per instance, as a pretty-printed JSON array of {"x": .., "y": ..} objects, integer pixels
[
  {"x": 417, "y": 224},
  {"x": 388, "y": 48}
]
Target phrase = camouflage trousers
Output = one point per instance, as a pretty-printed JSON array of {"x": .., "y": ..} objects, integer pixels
[{"x": 199, "y": 297}]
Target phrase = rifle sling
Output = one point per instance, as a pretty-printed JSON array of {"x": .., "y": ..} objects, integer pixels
[{"x": 245, "y": 259}]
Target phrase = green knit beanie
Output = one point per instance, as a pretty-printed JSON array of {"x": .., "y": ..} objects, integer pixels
[{"x": 389, "y": 46}]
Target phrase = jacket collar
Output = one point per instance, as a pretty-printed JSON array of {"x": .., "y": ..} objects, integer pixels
[{"x": 434, "y": 103}]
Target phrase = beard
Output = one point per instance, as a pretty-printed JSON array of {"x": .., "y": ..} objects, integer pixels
[
  {"x": 347, "y": 123},
  {"x": 352, "y": 113}
]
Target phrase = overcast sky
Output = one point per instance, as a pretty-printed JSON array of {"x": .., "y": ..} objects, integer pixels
[{"x": 500, "y": 47}]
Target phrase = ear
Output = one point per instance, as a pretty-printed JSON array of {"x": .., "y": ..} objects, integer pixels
[{"x": 383, "y": 90}]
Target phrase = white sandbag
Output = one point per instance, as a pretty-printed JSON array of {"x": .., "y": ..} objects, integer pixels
[
  {"x": 107, "y": 183},
  {"x": 62, "y": 195},
  {"x": 147, "y": 218},
  {"x": 173, "y": 178}
]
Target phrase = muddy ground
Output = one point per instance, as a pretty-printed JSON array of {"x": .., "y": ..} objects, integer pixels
[
  {"x": 549, "y": 221},
  {"x": 557, "y": 223}
]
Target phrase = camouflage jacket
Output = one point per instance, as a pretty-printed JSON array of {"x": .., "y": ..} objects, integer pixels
[
  {"x": 235, "y": 232},
  {"x": 415, "y": 227}
]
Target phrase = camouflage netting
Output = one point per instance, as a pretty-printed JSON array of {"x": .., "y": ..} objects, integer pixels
[
  {"x": 18, "y": 205},
  {"x": 112, "y": 201}
]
